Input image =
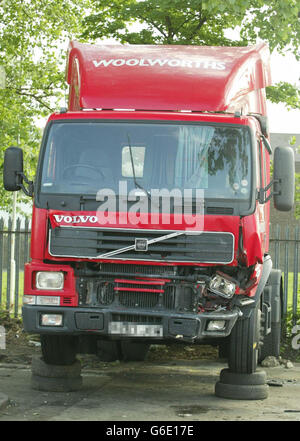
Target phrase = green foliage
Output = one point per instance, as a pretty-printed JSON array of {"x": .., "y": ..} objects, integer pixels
[
  {"x": 164, "y": 21},
  {"x": 284, "y": 93},
  {"x": 196, "y": 21},
  {"x": 31, "y": 33},
  {"x": 202, "y": 22}
]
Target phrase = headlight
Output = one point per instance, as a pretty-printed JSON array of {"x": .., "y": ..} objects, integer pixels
[
  {"x": 51, "y": 320},
  {"x": 49, "y": 280},
  {"x": 222, "y": 286}
]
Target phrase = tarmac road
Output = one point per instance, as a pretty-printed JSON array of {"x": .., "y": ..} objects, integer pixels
[{"x": 180, "y": 391}]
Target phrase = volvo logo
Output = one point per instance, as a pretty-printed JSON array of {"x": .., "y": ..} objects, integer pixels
[
  {"x": 75, "y": 219},
  {"x": 141, "y": 245}
]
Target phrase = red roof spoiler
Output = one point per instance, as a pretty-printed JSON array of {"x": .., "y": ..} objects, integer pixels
[{"x": 191, "y": 78}]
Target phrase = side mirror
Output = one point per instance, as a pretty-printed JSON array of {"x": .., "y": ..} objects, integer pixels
[
  {"x": 284, "y": 178},
  {"x": 13, "y": 169}
]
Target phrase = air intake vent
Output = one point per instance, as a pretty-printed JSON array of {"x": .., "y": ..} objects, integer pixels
[
  {"x": 67, "y": 301},
  {"x": 133, "y": 318},
  {"x": 219, "y": 210},
  {"x": 123, "y": 268}
]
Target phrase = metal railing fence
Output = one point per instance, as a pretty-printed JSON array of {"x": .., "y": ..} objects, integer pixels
[
  {"x": 8, "y": 300},
  {"x": 284, "y": 250}
]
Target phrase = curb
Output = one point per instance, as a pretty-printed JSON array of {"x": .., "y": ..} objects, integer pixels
[{"x": 3, "y": 401}]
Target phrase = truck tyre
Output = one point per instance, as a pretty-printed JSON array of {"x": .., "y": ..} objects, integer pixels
[
  {"x": 241, "y": 392},
  {"x": 59, "y": 349},
  {"x": 255, "y": 379},
  {"x": 108, "y": 351},
  {"x": 244, "y": 343},
  {"x": 50, "y": 384},
  {"x": 134, "y": 351},
  {"x": 41, "y": 368}
]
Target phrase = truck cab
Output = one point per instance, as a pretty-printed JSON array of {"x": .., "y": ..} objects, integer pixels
[{"x": 150, "y": 218}]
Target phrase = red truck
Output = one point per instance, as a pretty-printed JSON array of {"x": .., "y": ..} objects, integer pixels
[{"x": 151, "y": 201}]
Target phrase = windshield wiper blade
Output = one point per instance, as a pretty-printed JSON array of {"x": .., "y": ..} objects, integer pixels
[{"x": 149, "y": 242}]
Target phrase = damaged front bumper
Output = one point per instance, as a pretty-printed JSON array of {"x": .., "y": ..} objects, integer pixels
[{"x": 112, "y": 323}]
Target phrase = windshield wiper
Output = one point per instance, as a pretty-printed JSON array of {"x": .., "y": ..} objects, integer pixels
[
  {"x": 149, "y": 242},
  {"x": 137, "y": 185}
]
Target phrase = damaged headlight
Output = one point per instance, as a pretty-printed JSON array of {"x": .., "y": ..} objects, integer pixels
[{"x": 222, "y": 286}]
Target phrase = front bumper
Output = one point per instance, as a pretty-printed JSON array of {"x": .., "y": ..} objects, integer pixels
[{"x": 97, "y": 321}]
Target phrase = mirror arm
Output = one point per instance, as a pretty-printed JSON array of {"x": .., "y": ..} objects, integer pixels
[
  {"x": 28, "y": 191},
  {"x": 262, "y": 198},
  {"x": 267, "y": 144}
]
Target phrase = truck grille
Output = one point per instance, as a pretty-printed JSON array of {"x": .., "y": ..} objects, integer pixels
[
  {"x": 136, "y": 294},
  {"x": 208, "y": 247},
  {"x": 143, "y": 270}
]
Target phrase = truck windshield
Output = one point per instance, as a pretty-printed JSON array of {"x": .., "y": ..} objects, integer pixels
[{"x": 85, "y": 157}]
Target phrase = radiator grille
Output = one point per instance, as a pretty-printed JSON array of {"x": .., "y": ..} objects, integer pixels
[
  {"x": 138, "y": 299},
  {"x": 139, "y": 293},
  {"x": 125, "y": 268},
  {"x": 208, "y": 247}
]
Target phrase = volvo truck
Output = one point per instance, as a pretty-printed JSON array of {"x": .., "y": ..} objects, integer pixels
[{"x": 151, "y": 202}]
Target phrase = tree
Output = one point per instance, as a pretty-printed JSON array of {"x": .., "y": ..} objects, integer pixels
[
  {"x": 202, "y": 22},
  {"x": 284, "y": 93},
  {"x": 33, "y": 38}
]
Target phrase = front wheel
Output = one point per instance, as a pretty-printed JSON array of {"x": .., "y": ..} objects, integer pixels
[
  {"x": 244, "y": 344},
  {"x": 59, "y": 349}
]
